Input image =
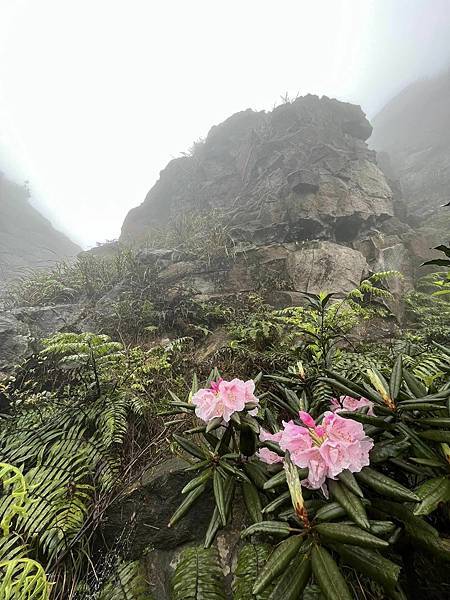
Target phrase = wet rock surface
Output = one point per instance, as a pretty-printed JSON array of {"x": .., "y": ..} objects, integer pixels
[{"x": 147, "y": 509}]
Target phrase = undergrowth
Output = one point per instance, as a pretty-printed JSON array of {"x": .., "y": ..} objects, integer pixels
[{"x": 89, "y": 412}]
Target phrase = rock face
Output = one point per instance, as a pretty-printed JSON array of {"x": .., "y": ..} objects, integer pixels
[
  {"x": 27, "y": 239},
  {"x": 300, "y": 172},
  {"x": 299, "y": 192},
  {"x": 14, "y": 340},
  {"x": 21, "y": 328},
  {"x": 144, "y": 513},
  {"x": 413, "y": 129},
  {"x": 295, "y": 266}
]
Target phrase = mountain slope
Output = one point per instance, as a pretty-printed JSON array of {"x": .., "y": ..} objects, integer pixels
[
  {"x": 300, "y": 172},
  {"x": 414, "y": 129},
  {"x": 27, "y": 239}
]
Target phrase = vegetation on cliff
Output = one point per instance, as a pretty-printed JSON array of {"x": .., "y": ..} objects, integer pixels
[{"x": 86, "y": 415}]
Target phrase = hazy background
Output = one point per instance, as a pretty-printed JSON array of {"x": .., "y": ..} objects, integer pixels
[{"x": 96, "y": 96}]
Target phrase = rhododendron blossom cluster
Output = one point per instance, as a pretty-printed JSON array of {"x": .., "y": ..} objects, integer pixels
[
  {"x": 223, "y": 398},
  {"x": 351, "y": 404},
  {"x": 326, "y": 449}
]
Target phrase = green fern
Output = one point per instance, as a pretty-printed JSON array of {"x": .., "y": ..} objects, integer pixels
[
  {"x": 12, "y": 548},
  {"x": 23, "y": 579},
  {"x": 113, "y": 420},
  {"x": 198, "y": 576},
  {"x": 75, "y": 350},
  {"x": 429, "y": 366},
  {"x": 251, "y": 560},
  {"x": 127, "y": 583},
  {"x": 321, "y": 393},
  {"x": 16, "y": 490}
]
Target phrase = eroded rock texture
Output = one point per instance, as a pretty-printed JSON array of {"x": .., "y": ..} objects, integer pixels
[
  {"x": 300, "y": 172},
  {"x": 300, "y": 193}
]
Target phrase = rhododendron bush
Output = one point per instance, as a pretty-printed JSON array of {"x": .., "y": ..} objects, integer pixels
[{"x": 347, "y": 478}]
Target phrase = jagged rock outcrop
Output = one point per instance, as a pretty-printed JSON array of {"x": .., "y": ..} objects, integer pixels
[
  {"x": 27, "y": 239},
  {"x": 298, "y": 190},
  {"x": 413, "y": 130},
  {"x": 300, "y": 172}
]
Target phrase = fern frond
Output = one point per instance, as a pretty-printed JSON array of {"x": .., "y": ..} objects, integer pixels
[
  {"x": 198, "y": 576},
  {"x": 15, "y": 489},
  {"x": 127, "y": 583},
  {"x": 321, "y": 393},
  {"x": 113, "y": 422},
  {"x": 251, "y": 560},
  {"x": 23, "y": 579},
  {"x": 12, "y": 548}
]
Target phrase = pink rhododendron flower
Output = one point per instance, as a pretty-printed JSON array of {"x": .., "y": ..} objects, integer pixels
[
  {"x": 268, "y": 456},
  {"x": 327, "y": 449},
  {"x": 351, "y": 404},
  {"x": 307, "y": 419},
  {"x": 223, "y": 398},
  {"x": 265, "y": 436},
  {"x": 206, "y": 405},
  {"x": 250, "y": 396}
]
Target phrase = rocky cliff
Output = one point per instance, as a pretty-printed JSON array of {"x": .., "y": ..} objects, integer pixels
[
  {"x": 298, "y": 190},
  {"x": 413, "y": 129},
  {"x": 300, "y": 172},
  {"x": 27, "y": 239}
]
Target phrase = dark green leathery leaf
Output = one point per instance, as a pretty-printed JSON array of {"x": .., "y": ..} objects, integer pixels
[
  {"x": 396, "y": 378},
  {"x": 277, "y": 528},
  {"x": 277, "y": 562},
  {"x": 219, "y": 496},
  {"x": 328, "y": 575},
  {"x": 349, "y": 534},
  {"x": 371, "y": 563},
  {"x": 252, "y": 502},
  {"x": 295, "y": 578},
  {"x": 190, "y": 447},
  {"x": 386, "y": 486},
  {"x": 216, "y": 521},
  {"x": 432, "y": 493},
  {"x": 349, "y": 502},
  {"x": 348, "y": 479},
  {"x": 186, "y": 504},
  {"x": 202, "y": 478}
]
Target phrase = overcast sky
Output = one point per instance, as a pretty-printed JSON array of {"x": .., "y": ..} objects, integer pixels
[{"x": 96, "y": 96}]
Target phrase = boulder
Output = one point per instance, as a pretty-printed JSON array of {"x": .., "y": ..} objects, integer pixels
[
  {"x": 325, "y": 266},
  {"x": 148, "y": 506},
  {"x": 22, "y": 328},
  {"x": 143, "y": 513},
  {"x": 43, "y": 321}
]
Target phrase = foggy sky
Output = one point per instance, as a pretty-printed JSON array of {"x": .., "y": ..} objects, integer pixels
[{"x": 96, "y": 96}]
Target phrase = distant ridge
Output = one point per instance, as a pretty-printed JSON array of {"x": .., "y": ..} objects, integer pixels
[
  {"x": 27, "y": 239},
  {"x": 414, "y": 130}
]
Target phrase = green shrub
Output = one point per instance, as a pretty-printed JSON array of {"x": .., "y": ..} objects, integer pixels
[{"x": 88, "y": 277}]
